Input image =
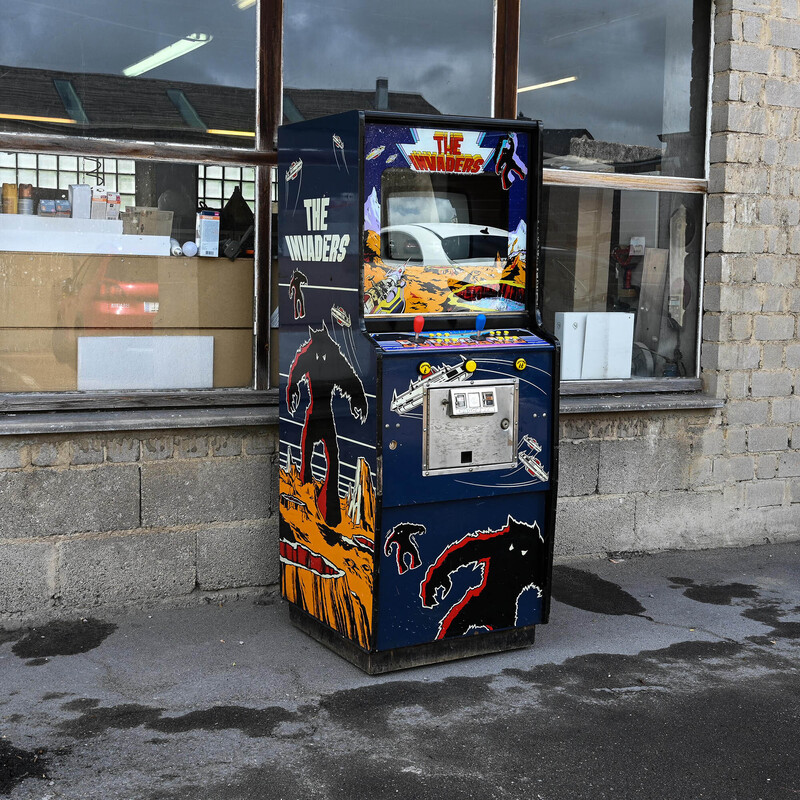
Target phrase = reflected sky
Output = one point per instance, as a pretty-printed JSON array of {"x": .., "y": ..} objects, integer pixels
[{"x": 621, "y": 52}]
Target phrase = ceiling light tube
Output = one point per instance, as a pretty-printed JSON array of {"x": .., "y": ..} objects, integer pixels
[
  {"x": 546, "y": 85},
  {"x": 170, "y": 53}
]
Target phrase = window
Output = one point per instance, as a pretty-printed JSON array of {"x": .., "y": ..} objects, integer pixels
[
  {"x": 415, "y": 57},
  {"x": 622, "y": 92}
]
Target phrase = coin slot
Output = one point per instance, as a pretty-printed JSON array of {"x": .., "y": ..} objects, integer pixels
[{"x": 466, "y": 456}]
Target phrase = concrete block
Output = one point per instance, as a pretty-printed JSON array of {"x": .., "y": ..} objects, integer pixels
[
  {"x": 784, "y": 33},
  {"x": 197, "y": 490},
  {"x": 260, "y": 444},
  {"x": 764, "y": 493},
  {"x": 785, "y": 409},
  {"x": 191, "y": 446},
  {"x": 789, "y": 465},
  {"x": 46, "y": 502},
  {"x": 781, "y": 523},
  {"x": 226, "y": 445},
  {"x": 776, "y": 298},
  {"x": 771, "y": 384},
  {"x": 158, "y": 448},
  {"x": 578, "y": 468},
  {"x": 14, "y": 453},
  {"x": 688, "y": 520},
  {"x": 647, "y": 464},
  {"x": 752, "y": 28},
  {"x": 123, "y": 450},
  {"x": 774, "y": 327},
  {"x": 588, "y": 525},
  {"x": 139, "y": 567},
  {"x": 238, "y": 555},
  {"x": 734, "y": 468},
  {"x": 767, "y": 466},
  {"x": 772, "y": 356},
  {"x": 762, "y": 440},
  {"x": 86, "y": 451},
  {"x": 26, "y": 576},
  {"x": 741, "y": 326},
  {"x": 50, "y": 454},
  {"x": 741, "y": 57}
]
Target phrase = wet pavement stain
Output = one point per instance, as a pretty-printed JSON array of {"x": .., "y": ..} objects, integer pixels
[
  {"x": 586, "y": 591},
  {"x": 771, "y": 615},
  {"x": 95, "y": 719},
  {"x": 63, "y": 638},
  {"x": 16, "y": 765},
  {"x": 718, "y": 594},
  {"x": 9, "y": 636},
  {"x": 253, "y": 722}
]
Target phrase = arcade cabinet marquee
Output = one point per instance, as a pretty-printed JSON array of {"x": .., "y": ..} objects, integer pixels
[{"x": 418, "y": 394}]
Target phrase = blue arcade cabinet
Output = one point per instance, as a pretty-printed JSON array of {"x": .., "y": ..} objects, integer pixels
[{"x": 419, "y": 394}]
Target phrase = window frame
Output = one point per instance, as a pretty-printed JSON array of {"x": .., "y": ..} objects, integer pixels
[{"x": 263, "y": 157}]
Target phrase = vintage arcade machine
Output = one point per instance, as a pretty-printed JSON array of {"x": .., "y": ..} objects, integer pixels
[{"x": 418, "y": 392}]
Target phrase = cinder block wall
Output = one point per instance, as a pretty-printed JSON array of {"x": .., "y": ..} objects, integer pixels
[{"x": 118, "y": 520}]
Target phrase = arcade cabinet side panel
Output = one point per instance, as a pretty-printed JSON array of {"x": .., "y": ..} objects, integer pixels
[{"x": 327, "y": 384}]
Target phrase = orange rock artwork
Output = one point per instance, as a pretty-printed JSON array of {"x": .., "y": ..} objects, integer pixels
[
  {"x": 423, "y": 288},
  {"x": 327, "y": 571}
]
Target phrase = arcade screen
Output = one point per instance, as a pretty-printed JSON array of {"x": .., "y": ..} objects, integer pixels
[{"x": 445, "y": 220}]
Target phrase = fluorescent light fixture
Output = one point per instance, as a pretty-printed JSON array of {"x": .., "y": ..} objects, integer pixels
[
  {"x": 30, "y": 118},
  {"x": 546, "y": 85},
  {"x": 243, "y": 4},
  {"x": 222, "y": 132},
  {"x": 170, "y": 53}
]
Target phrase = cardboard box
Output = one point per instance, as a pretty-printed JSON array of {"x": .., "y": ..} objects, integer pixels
[
  {"x": 207, "y": 234},
  {"x": 28, "y": 362},
  {"x": 46, "y": 290},
  {"x": 99, "y": 203},
  {"x": 80, "y": 200}
]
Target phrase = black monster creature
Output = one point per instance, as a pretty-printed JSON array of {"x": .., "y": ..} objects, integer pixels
[
  {"x": 320, "y": 363},
  {"x": 402, "y": 538},
  {"x": 511, "y": 560},
  {"x": 507, "y": 163},
  {"x": 296, "y": 293}
]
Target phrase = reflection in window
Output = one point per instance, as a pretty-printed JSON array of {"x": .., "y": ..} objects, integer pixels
[
  {"x": 182, "y": 72},
  {"x": 98, "y": 294},
  {"x": 621, "y": 86},
  {"x": 622, "y": 268},
  {"x": 412, "y": 57}
]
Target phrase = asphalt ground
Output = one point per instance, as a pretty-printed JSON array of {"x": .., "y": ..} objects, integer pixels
[{"x": 662, "y": 676}]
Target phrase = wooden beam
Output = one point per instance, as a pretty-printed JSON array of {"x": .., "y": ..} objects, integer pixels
[
  {"x": 506, "y": 55},
  {"x": 619, "y": 180}
]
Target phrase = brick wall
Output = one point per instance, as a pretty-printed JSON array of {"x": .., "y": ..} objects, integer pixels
[
  {"x": 727, "y": 477},
  {"x": 126, "y": 519}
]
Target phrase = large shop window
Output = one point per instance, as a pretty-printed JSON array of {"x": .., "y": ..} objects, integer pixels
[
  {"x": 149, "y": 70},
  {"x": 102, "y": 286},
  {"x": 415, "y": 57},
  {"x": 622, "y": 89}
]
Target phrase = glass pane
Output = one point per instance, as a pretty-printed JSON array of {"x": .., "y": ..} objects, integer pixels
[
  {"x": 414, "y": 57},
  {"x": 622, "y": 268},
  {"x": 175, "y": 72},
  {"x": 94, "y": 297},
  {"x": 620, "y": 87}
]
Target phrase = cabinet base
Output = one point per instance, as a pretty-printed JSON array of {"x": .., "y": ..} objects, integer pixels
[{"x": 378, "y": 662}]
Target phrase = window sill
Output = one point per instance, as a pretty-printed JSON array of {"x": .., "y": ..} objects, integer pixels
[
  {"x": 136, "y": 419},
  {"x": 615, "y": 403}
]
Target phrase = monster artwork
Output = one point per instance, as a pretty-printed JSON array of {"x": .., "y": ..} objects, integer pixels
[
  {"x": 327, "y": 539},
  {"x": 320, "y": 364},
  {"x": 296, "y": 294},
  {"x": 507, "y": 163},
  {"x": 510, "y": 561}
]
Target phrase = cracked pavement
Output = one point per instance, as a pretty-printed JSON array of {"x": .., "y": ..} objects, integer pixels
[{"x": 670, "y": 675}]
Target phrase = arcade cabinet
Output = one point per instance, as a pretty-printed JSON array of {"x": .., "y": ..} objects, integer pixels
[{"x": 418, "y": 416}]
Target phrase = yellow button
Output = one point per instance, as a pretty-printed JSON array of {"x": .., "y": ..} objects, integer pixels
[
  {"x": 520, "y": 364},
  {"x": 424, "y": 368},
  {"x": 470, "y": 366}
]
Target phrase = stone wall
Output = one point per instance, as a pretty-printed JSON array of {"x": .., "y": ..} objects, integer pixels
[{"x": 118, "y": 520}]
